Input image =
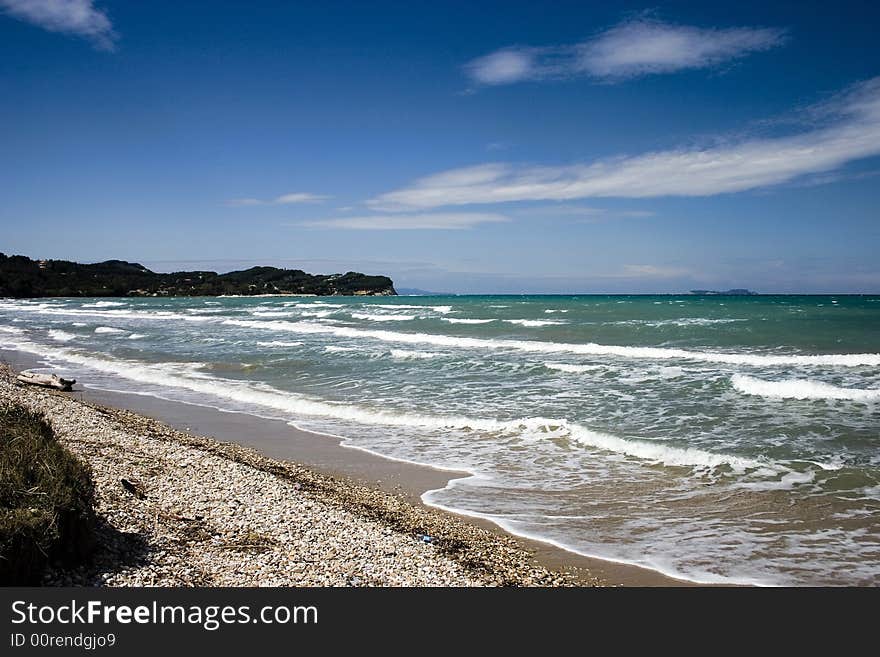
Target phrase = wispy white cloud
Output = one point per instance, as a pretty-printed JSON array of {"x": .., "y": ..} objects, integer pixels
[
  {"x": 851, "y": 130},
  {"x": 645, "y": 47},
  {"x": 582, "y": 213},
  {"x": 284, "y": 199},
  {"x": 77, "y": 17},
  {"x": 512, "y": 65},
  {"x": 634, "y": 48},
  {"x": 300, "y": 197},
  {"x": 421, "y": 221}
]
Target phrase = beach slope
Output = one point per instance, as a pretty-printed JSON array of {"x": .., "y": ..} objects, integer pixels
[{"x": 192, "y": 511}]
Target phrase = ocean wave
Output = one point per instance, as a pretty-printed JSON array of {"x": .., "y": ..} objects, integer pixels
[
  {"x": 104, "y": 304},
  {"x": 109, "y": 329},
  {"x": 136, "y": 336},
  {"x": 185, "y": 376},
  {"x": 587, "y": 349},
  {"x": 534, "y": 323},
  {"x": 572, "y": 369},
  {"x": 317, "y": 313},
  {"x": 404, "y": 354},
  {"x": 61, "y": 336},
  {"x": 403, "y": 306},
  {"x": 332, "y": 349},
  {"x": 279, "y": 343},
  {"x": 383, "y": 318},
  {"x": 11, "y": 329},
  {"x": 682, "y": 321},
  {"x": 314, "y": 304},
  {"x": 455, "y": 320},
  {"x": 668, "y": 454},
  {"x": 550, "y": 311},
  {"x": 271, "y": 313},
  {"x": 114, "y": 313},
  {"x": 800, "y": 389}
]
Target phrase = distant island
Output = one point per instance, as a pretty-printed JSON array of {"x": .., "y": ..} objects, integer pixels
[
  {"x": 418, "y": 292},
  {"x": 737, "y": 292},
  {"x": 22, "y": 277}
]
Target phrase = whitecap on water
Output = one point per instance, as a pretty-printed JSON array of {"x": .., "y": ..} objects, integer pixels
[{"x": 801, "y": 389}]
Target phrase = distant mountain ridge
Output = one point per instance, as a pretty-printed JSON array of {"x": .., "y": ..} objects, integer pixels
[{"x": 22, "y": 277}]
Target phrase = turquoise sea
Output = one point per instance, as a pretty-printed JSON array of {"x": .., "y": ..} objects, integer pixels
[{"x": 713, "y": 438}]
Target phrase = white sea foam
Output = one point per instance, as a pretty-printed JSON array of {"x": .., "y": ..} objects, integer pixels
[
  {"x": 279, "y": 343},
  {"x": 405, "y": 354},
  {"x": 800, "y": 389},
  {"x": 533, "y": 323},
  {"x": 657, "y": 452},
  {"x": 317, "y": 313},
  {"x": 788, "y": 481},
  {"x": 185, "y": 376},
  {"x": 572, "y": 369},
  {"x": 316, "y": 304},
  {"x": 61, "y": 336},
  {"x": 455, "y": 320},
  {"x": 271, "y": 313},
  {"x": 108, "y": 329},
  {"x": 115, "y": 313},
  {"x": 104, "y": 304},
  {"x": 587, "y": 349},
  {"x": 394, "y": 306},
  {"x": 332, "y": 349},
  {"x": 550, "y": 311},
  {"x": 681, "y": 321},
  {"x": 11, "y": 329},
  {"x": 383, "y": 318}
]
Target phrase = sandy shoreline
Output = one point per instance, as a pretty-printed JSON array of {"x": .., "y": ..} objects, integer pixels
[{"x": 324, "y": 456}]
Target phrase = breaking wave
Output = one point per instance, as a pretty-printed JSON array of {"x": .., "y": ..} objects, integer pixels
[
  {"x": 572, "y": 369},
  {"x": 383, "y": 318},
  {"x": 184, "y": 376},
  {"x": 534, "y": 323},
  {"x": 109, "y": 329},
  {"x": 454, "y": 320},
  {"x": 800, "y": 389},
  {"x": 403, "y": 354},
  {"x": 587, "y": 349}
]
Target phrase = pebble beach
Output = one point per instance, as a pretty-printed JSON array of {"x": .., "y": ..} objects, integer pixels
[{"x": 193, "y": 511}]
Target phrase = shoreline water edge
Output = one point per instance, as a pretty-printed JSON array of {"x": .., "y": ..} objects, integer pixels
[
  {"x": 270, "y": 444},
  {"x": 646, "y": 439}
]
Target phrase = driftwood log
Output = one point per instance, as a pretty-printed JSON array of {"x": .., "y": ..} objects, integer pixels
[{"x": 46, "y": 380}]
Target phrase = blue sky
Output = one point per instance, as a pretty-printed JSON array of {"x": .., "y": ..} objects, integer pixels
[{"x": 459, "y": 146}]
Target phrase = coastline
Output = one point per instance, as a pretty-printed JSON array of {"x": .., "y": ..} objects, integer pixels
[{"x": 324, "y": 456}]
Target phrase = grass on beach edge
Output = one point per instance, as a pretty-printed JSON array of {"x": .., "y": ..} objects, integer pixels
[{"x": 46, "y": 499}]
